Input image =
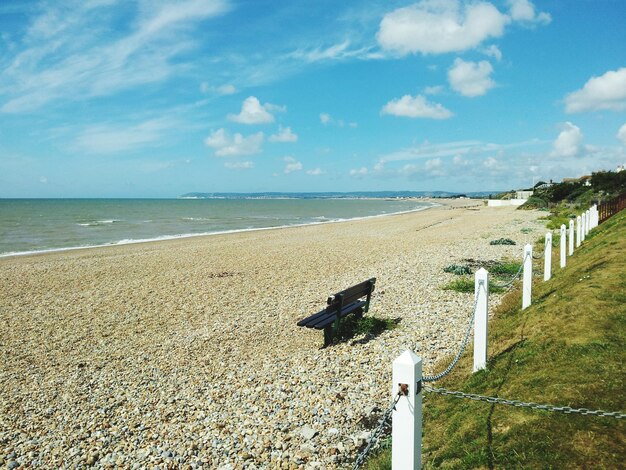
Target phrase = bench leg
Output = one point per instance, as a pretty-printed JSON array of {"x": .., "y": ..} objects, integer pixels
[{"x": 328, "y": 335}]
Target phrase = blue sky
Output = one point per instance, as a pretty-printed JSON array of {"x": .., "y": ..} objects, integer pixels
[{"x": 119, "y": 98}]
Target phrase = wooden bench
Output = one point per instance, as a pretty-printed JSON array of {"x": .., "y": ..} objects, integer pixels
[{"x": 339, "y": 306}]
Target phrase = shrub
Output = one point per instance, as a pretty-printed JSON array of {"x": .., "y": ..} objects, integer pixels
[
  {"x": 534, "y": 202},
  {"x": 466, "y": 286},
  {"x": 502, "y": 241},
  {"x": 351, "y": 326},
  {"x": 458, "y": 269}
]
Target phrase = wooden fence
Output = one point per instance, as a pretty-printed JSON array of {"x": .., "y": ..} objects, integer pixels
[{"x": 612, "y": 207}]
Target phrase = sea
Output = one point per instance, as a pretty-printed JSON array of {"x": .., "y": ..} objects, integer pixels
[{"x": 30, "y": 226}]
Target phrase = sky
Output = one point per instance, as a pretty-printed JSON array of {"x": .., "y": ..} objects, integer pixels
[{"x": 150, "y": 98}]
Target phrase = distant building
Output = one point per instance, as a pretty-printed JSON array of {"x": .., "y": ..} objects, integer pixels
[
  {"x": 586, "y": 180},
  {"x": 523, "y": 194},
  {"x": 619, "y": 168}
]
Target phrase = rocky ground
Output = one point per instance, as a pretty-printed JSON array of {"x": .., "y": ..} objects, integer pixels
[{"x": 186, "y": 353}]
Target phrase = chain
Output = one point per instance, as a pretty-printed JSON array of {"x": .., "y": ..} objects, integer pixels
[
  {"x": 510, "y": 282},
  {"x": 540, "y": 256},
  {"x": 360, "y": 459},
  {"x": 531, "y": 405},
  {"x": 440, "y": 375}
]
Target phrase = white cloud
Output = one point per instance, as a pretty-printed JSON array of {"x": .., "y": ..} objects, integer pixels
[
  {"x": 334, "y": 52},
  {"x": 621, "y": 134},
  {"x": 416, "y": 107},
  {"x": 43, "y": 180},
  {"x": 568, "y": 143},
  {"x": 315, "y": 172},
  {"x": 226, "y": 145},
  {"x": 433, "y": 90},
  {"x": 121, "y": 137},
  {"x": 239, "y": 165},
  {"x": 491, "y": 162},
  {"x": 493, "y": 51},
  {"x": 226, "y": 89},
  {"x": 285, "y": 134},
  {"x": 292, "y": 165},
  {"x": 359, "y": 172},
  {"x": 70, "y": 54},
  {"x": 252, "y": 112},
  {"x": 524, "y": 11},
  {"x": 458, "y": 160},
  {"x": 275, "y": 108},
  {"x": 325, "y": 118},
  {"x": 440, "y": 26},
  {"x": 471, "y": 78},
  {"x": 434, "y": 167},
  {"x": 605, "y": 92}
]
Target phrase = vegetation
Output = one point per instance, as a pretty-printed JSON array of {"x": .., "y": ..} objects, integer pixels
[
  {"x": 567, "y": 200},
  {"x": 568, "y": 348},
  {"x": 367, "y": 325},
  {"x": 458, "y": 269},
  {"x": 502, "y": 241},
  {"x": 500, "y": 272}
]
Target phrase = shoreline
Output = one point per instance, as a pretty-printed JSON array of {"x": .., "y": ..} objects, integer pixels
[
  {"x": 188, "y": 352},
  {"x": 163, "y": 238}
]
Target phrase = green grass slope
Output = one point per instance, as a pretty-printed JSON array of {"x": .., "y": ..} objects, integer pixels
[{"x": 568, "y": 348}]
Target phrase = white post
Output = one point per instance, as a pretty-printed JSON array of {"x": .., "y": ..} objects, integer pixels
[
  {"x": 578, "y": 231},
  {"x": 587, "y": 222},
  {"x": 563, "y": 251},
  {"x": 594, "y": 216},
  {"x": 583, "y": 226},
  {"x": 571, "y": 237},
  {"x": 547, "y": 258},
  {"x": 481, "y": 297},
  {"x": 527, "y": 279},
  {"x": 406, "y": 418}
]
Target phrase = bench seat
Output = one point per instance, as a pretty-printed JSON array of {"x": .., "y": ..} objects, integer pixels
[
  {"x": 322, "y": 319},
  {"x": 354, "y": 300}
]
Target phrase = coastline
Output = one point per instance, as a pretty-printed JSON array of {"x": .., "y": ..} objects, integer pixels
[
  {"x": 187, "y": 351},
  {"x": 206, "y": 234}
]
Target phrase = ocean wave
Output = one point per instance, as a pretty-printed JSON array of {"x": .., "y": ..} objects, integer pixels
[{"x": 96, "y": 223}]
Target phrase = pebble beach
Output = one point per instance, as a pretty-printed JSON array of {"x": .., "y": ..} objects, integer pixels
[{"x": 185, "y": 353}]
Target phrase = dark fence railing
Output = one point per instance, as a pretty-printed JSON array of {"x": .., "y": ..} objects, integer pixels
[{"x": 612, "y": 207}]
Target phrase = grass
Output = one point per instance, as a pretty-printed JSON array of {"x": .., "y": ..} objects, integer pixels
[
  {"x": 500, "y": 273},
  {"x": 370, "y": 326},
  {"x": 568, "y": 348}
]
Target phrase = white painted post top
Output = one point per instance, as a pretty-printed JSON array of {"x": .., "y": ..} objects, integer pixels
[{"x": 406, "y": 425}]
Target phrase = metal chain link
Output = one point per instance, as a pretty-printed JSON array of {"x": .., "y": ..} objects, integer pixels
[
  {"x": 521, "y": 404},
  {"x": 440, "y": 375},
  {"x": 542, "y": 255},
  {"x": 510, "y": 282},
  {"x": 360, "y": 459}
]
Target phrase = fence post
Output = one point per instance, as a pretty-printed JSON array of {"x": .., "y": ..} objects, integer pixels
[
  {"x": 481, "y": 297},
  {"x": 587, "y": 222},
  {"x": 563, "y": 246},
  {"x": 578, "y": 231},
  {"x": 406, "y": 420},
  {"x": 571, "y": 237},
  {"x": 592, "y": 224},
  {"x": 583, "y": 226},
  {"x": 547, "y": 258},
  {"x": 528, "y": 276}
]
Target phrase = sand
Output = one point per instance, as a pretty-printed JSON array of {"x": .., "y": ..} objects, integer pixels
[{"x": 185, "y": 353}]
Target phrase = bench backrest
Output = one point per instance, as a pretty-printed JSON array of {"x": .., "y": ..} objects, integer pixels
[{"x": 351, "y": 294}]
